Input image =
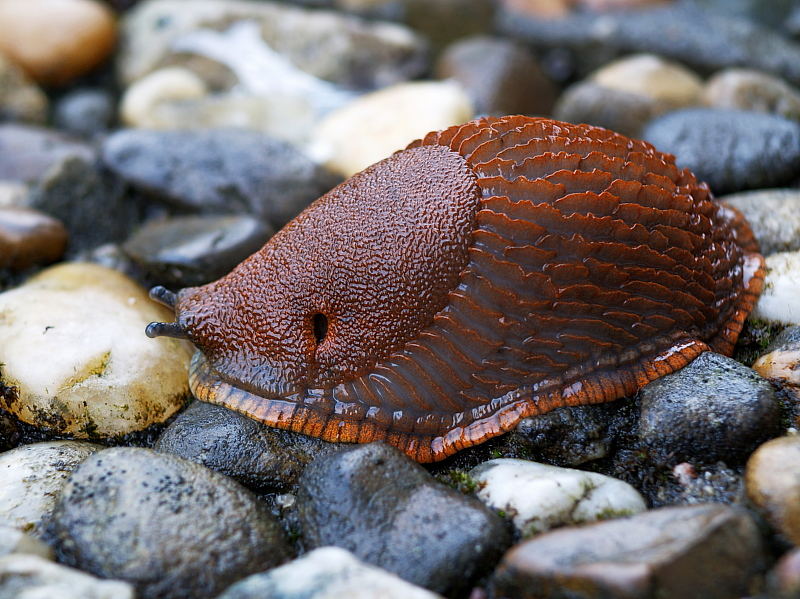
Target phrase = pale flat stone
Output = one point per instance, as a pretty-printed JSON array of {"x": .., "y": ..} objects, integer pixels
[
  {"x": 76, "y": 359},
  {"x": 13, "y": 540},
  {"x": 538, "y": 497},
  {"x": 780, "y": 300},
  {"x": 170, "y": 84}
]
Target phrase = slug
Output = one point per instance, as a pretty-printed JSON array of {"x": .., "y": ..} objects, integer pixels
[{"x": 488, "y": 272}]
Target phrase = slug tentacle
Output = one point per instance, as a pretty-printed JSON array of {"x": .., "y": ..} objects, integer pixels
[
  {"x": 166, "y": 329},
  {"x": 164, "y": 296},
  {"x": 489, "y": 272}
]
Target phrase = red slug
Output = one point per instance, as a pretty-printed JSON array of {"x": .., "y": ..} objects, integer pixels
[{"x": 489, "y": 272}]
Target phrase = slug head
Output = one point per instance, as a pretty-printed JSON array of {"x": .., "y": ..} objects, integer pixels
[{"x": 353, "y": 278}]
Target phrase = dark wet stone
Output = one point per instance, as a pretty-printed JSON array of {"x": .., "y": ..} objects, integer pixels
[
  {"x": 9, "y": 432},
  {"x": 260, "y": 457},
  {"x": 85, "y": 112},
  {"x": 699, "y": 552},
  {"x": 713, "y": 409},
  {"x": 29, "y": 152},
  {"x": 195, "y": 250},
  {"x": 91, "y": 203},
  {"x": 704, "y": 40},
  {"x": 500, "y": 76},
  {"x": 168, "y": 526},
  {"x": 29, "y": 237},
  {"x": 773, "y": 216},
  {"x": 388, "y": 511},
  {"x": 731, "y": 150},
  {"x": 221, "y": 170}
]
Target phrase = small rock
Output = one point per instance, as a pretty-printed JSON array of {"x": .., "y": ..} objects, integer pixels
[
  {"x": 500, "y": 76},
  {"x": 430, "y": 535},
  {"x": 773, "y": 13},
  {"x": 783, "y": 581},
  {"x": 260, "y": 457},
  {"x": 85, "y": 112},
  {"x": 745, "y": 89},
  {"x": 28, "y": 237},
  {"x": 13, "y": 194},
  {"x": 20, "y": 99},
  {"x": 102, "y": 376},
  {"x": 772, "y": 479},
  {"x": 773, "y": 215},
  {"x": 30, "y": 576},
  {"x": 29, "y": 152},
  {"x": 702, "y": 552},
  {"x": 713, "y": 409},
  {"x": 13, "y": 540},
  {"x": 55, "y": 41},
  {"x": 218, "y": 171},
  {"x": 33, "y": 476},
  {"x": 781, "y": 361},
  {"x": 344, "y": 50},
  {"x": 538, "y": 497},
  {"x": 780, "y": 300},
  {"x": 326, "y": 573},
  {"x": 194, "y": 250},
  {"x": 141, "y": 102},
  {"x": 375, "y": 125},
  {"x": 171, "y": 528},
  {"x": 731, "y": 150},
  {"x": 690, "y": 484}
]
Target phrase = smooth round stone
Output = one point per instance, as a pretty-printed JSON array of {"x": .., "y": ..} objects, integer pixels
[
  {"x": 56, "y": 41},
  {"x": 260, "y": 457},
  {"x": 781, "y": 360},
  {"x": 713, "y": 409},
  {"x": 710, "y": 551},
  {"x": 375, "y": 125},
  {"x": 85, "y": 112},
  {"x": 33, "y": 577},
  {"x": 784, "y": 579},
  {"x": 29, "y": 237},
  {"x": 780, "y": 300},
  {"x": 195, "y": 250},
  {"x": 170, "y": 527},
  {"x": 500, "y": 76},
  {"x": 746, "y": 89},
  {"x": 773, "y": 216},
  {"x": 326, "y": 573},
  {"x": 13, "y": 540},
  {"x": 140, "y": 103},
  {"x": 772, "y": 479},
  {"x": 731, "y": 150},
  {"x": 538, "y": 497},
  {"x": 218, "y": 171},
  {"x": 29, "y": 152},
  {"x": 102, "y": 377},
  {"x": 20, "y": 99},
  {"x": 430, "y": 535},
  {"x": 33, "y": 477}
]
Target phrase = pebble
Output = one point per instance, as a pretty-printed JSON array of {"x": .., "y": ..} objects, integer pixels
[
  {"x": 260, "y": 457},
  {"x": 13, "y": 540},
  {"x": 29, "y": 237},
  {"x": 690, "y": 484},
  {"x": 709, "y": 551},
  {"x": 194, "y": 250},
  {"x": 55, "y": 41},
  {"x": 13, "y": 194},
  {"x": 500, "y": 76},
  {"x": 713, "y": 409},
  {"x": 344, "y": 50},
  {"x": 326, "y": 573},
  {"x": 218, "y": 171},
  {"x": 430, "y": 535},
  {"x": 702, "y": 40},
  {"x": 731, "y": 150},
  {"x": 783, "y": 581},
  {"x": 85, "y": 112},
  {"x": 773, "y": 215},
  {"x": 746, "y": 89},
  {"x": 102, "y": 377},
  {"x": 20, "y": 99},
  {"x": 33, "y": 477},
  {"x": 772, "y": 13},
  {"x": 538, "y": 497},
  {"x": 772, "y": 479},
  {"x": 375, "y": 125},
  {"x": 781, "y": 360},
  {"x": 33, "y": 577},
  {"x": 140, "y": 105},
  {"x": 166, "y": 525},
  {"x": 29, "y": 152},
  {"x": 780, "y": 300}
]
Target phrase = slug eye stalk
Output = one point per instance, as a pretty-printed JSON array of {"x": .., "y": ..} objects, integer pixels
[
  {"x": 163, "y": 296},
  {"x": 165, "y": 329}
]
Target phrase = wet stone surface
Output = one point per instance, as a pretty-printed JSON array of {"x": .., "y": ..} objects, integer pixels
[{"x": 773, "y": 215}]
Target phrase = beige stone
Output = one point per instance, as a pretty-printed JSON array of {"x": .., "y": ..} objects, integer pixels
[
  {"x": 772, "y": 480},
  {"x": 140, "y": 104}
]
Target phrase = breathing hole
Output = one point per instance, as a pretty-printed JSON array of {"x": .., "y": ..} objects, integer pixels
[{"x": 320, "y": 324}]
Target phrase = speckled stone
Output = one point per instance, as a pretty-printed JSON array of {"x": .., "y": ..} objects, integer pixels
[{"x": 773, "y": 215}]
